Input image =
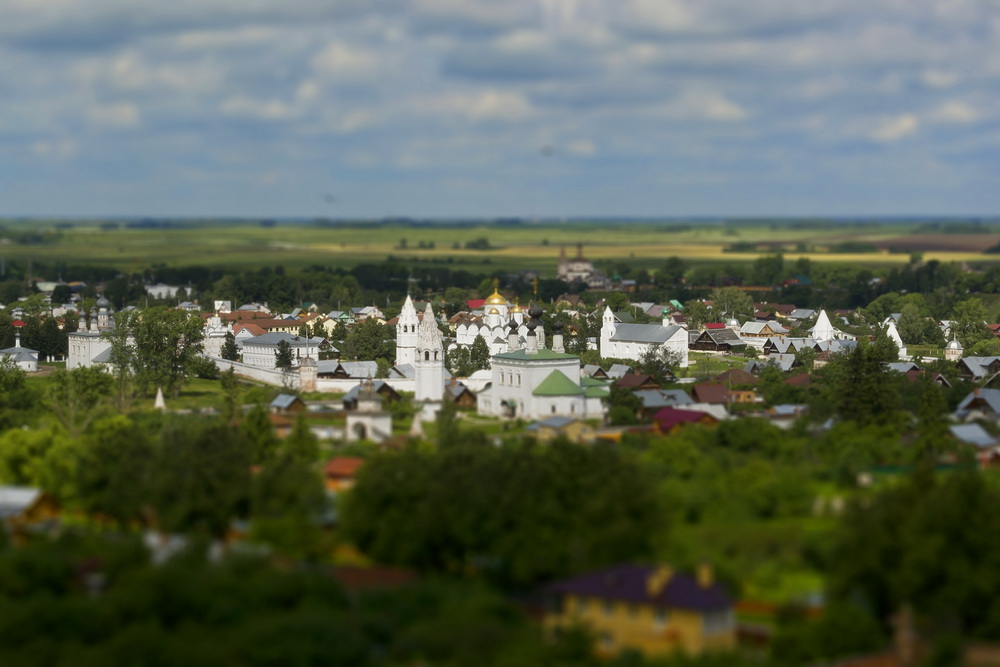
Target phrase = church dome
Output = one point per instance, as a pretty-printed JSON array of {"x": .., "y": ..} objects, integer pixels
[
  {"x": 494, "y": 311},
  {"x": 103, "y": 302},
  {"x": 496, "y": 299},
  {"x": 517, "y": 309},
  {"x": 953, "y": 345}
]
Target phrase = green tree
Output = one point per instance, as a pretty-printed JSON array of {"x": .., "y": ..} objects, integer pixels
[
  {"x": 155, "y": 347},
  {"x": 115, "y": 476},
  {"x": 256, "y": 429},
  {"x": 659, "y": 362},
  {"x": 969, "y": 322},
  {"x": 479, "y": 354},
  {"x": 75, "y": 397},
  {"x": 301, "y": 444},
  {"x": 731, "y": 302},
  {"x": 480, "y": 509},
  {"x": 697, "y": 314},
  {"x": 229, "y": 350},
  {"x": 283, "y": 357},
  {"x": 202, "y": 479},
  {"x": 369, "y": 341}
]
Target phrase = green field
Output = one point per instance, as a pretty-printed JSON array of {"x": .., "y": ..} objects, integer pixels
[{"x": 512, "y": 247}]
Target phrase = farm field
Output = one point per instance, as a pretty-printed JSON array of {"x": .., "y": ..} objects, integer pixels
[{"x": 511, "y": 247}]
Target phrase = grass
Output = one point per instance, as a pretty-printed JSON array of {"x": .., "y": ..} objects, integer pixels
[{"x": 529, "y": 246}]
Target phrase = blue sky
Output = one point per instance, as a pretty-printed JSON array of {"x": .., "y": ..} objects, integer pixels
[{"x": 549, "y": 108}]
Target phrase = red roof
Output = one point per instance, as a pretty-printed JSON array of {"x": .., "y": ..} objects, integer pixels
[
  {"x": 710, "y": 393},
  {"x": 715, "y": 325},
  {"x": 252, "y": 328},
  {"x": 800, "y": 380},
  {"x": 669, "y": 417},
  {"x": 475, "y": 304},
  {"x": 343, "y": 467}
]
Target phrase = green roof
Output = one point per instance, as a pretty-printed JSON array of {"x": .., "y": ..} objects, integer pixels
[
  {"x": 596, "y": 392},
  {"x": 557, "y": 384},
  {"x": 593, "y": 382},
  {"x": 540, "y": 355}
]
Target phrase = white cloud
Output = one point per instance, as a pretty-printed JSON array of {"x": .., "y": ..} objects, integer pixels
[
  {"x": 956, "y": 111},
  {"x": 341, "y": 62},
  {"x": 121, "y": 115},
  {"x": 887, "y": 130}
]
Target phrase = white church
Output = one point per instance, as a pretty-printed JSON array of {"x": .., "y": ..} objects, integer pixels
[
  {"x": 632, "y": 341},
  {"x": 493, "y": 324},
  {"x": 530, "y": 381}
]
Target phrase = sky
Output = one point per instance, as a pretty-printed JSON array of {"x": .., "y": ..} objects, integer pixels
[{"x": 535, "y": 108}]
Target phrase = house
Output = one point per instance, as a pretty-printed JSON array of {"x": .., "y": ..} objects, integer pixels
[
  {"x": 977, "y": 368},
  {"x": 285, "y": 404},
  {"x": 368, "y": 421},
  {"x": 717, "y": 340},
  {"x": 762, "y": 330},
  {"x": 339, "y": 472},
  {"x": 980, "y": 404},
  {"x": 668, "y": 418},
  {"x": 341, "y": 370},
  {"x": 384, "y": 390},
  {"x": 654, "y": 399},
  {"x": 574, "y": 430},
  {"x": 460, "y": 394},
  {"x": 650, "y": 609},
  {"x": 711, "y": 393},
  {"x": 24, "y": 506},
  {"x": 635, "y": 381}
]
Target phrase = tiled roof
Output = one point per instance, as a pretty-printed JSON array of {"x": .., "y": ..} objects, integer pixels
[
  {"x": 669, "y": 417},
  {"x": 629, "y": 583}
]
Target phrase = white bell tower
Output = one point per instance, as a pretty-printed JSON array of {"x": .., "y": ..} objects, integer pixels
[
  {"x": 406, "y": 333},
  {"x": 429, "y": 362}
]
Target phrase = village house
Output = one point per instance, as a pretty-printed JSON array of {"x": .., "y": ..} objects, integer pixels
[
  {"x": 621, "y": 340},
  {"x": 650, "y": 609}
]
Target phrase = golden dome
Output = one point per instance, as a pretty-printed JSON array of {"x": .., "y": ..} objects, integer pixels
[
  {"x": 496, "y": 300},
  {"x": 516, "y": 309},
  {"x": 494, "y": 311}
]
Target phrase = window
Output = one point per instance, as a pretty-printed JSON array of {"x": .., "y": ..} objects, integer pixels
[
  {"x": 609, "y": 608},
  {"x": 716, "y": 622},
  {"x": 659, "y": 619},
  {"x": 607, "y": 641}
]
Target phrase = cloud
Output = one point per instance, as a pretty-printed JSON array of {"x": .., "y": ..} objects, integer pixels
[
  {"x": 121, "y": 115},
  {"x": 756, "y": 93},
  {"x": 887, "y": 130},
  {"x": 956, "y": 111}
]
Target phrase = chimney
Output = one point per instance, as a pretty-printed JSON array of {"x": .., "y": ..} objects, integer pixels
[
  {"x": 704, "y": 575},
  {"x": 658, "y": 580}
]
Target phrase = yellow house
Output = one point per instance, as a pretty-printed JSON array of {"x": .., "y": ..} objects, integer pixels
[{"x": 651, "y": 609}]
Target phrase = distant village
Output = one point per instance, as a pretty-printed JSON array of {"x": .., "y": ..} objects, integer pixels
[{"x": 560, "y": 370}]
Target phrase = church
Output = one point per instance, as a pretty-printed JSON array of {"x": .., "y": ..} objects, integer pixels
[
  {"x": 492, "y": 325},
  {"x": 530, "y": 381},
  {"x": 632, "y": 341}
]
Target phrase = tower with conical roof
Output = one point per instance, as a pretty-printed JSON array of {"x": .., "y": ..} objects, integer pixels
[
  {"x": 429, "y": 361},
  {"x": 406, "y": 333}
]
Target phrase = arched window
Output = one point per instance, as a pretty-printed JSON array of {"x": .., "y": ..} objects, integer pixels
[{"x": 427, "y": 355}]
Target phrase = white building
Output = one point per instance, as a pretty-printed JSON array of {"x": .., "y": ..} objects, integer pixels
[
  {"x": 261, "y": 351},
  {"x": 632, "y": 341},
  {"x": 492, "y": 325},
  {"x": 215, "y": 336},
  {"x": 87, "y": 346},
  {"x": 535, "y": 383},
  {"x": 406, "y": 333},
  {"x": 824, "y": 329},
  {"x": 429, "y": 360},
  {"x": 22, "y": 357}
]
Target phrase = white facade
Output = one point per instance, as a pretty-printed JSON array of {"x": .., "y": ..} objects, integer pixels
[
  {"x": 492, "y": 325},
  {"x": 406, "y": 333},
  {"x": 429, "y": 362},
  {"x": 824, "y": 329},
  {"x": 215, "y": 336},
  {"x": 632, "y": 341},
  {"x": 536, "y": 385},
  {"x": 262, "y": 351}
]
